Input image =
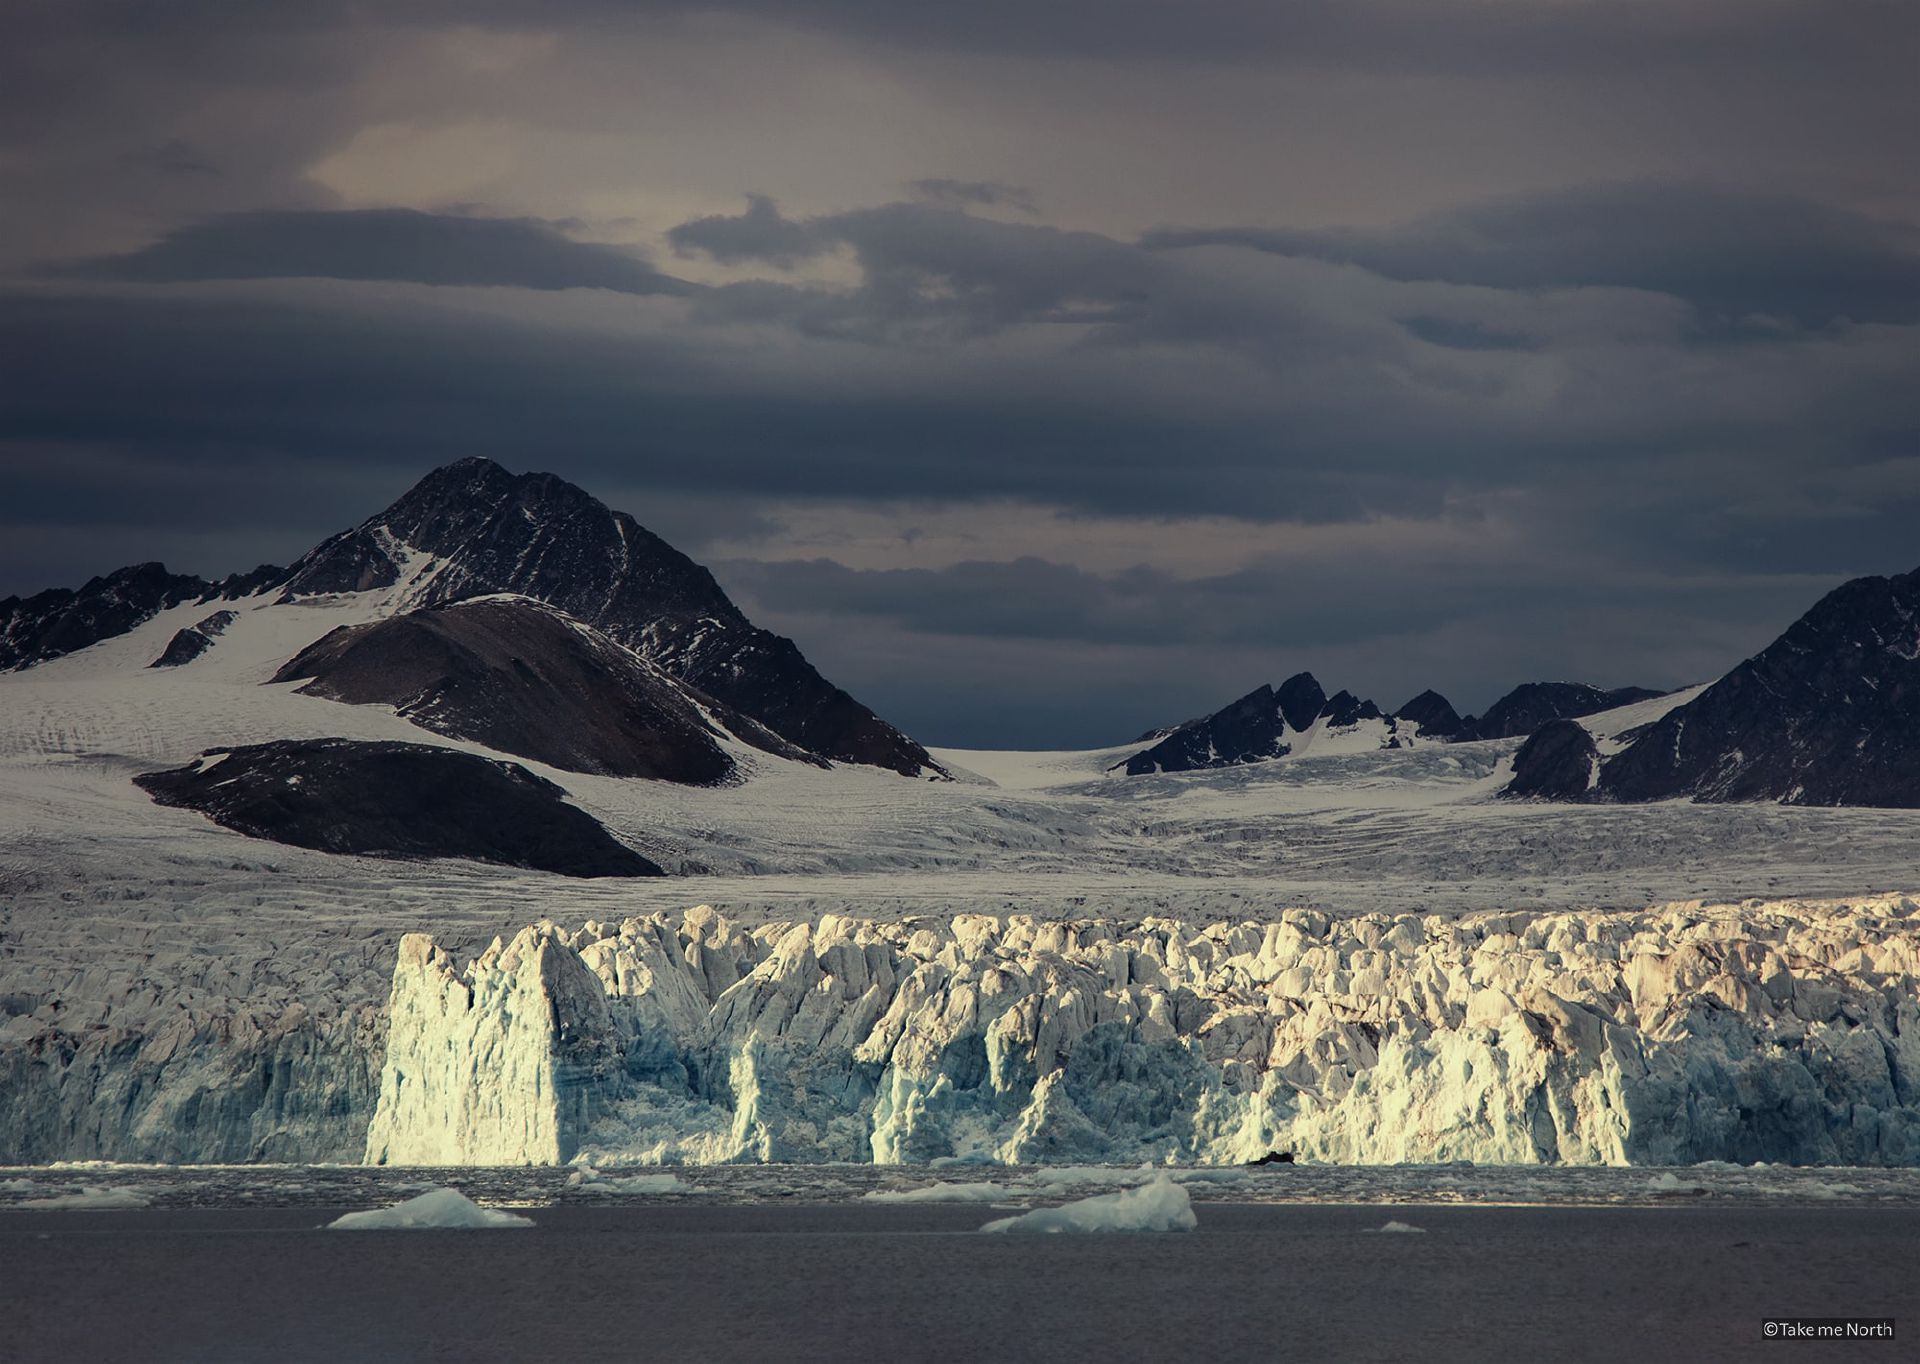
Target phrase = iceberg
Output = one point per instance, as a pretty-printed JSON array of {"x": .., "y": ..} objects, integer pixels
[
  {"x": 92, "y": 1198},
  {"x": 941, "y": 1193},
  {"x": 1160, "y": 1205},
  {"x": 434, "y": 1210},
  {"x": 593, "y": 1181}
]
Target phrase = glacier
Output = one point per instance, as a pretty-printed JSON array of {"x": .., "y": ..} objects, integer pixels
[{"x": 1665, "y": 1036}]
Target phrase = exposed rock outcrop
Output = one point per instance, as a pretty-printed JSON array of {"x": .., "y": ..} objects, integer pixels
[
  {"x": 189, "y": 643},
  {"x": 1559, "y": 762},
  {"x": 395, "y": 800},
  {"x": 525, "y": 678}
]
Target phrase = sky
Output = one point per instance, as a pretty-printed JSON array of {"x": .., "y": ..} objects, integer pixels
[{"x": 1048, "y": 372}]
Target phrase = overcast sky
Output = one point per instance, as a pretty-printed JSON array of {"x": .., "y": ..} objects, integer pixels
[{"x": 1048, "y": 371}]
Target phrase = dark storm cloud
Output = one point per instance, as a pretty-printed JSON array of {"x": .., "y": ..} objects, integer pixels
[
  {"x": 973, "y": 194},
  {"x": 760, "y": 234},
  {"x": 381, "y": 244},
  {"x": 927, "y": 270},
  {"x": 1264, "y": 606},
  {"x": 1000, "y": 359},
  {"x": 1732, "y": 253}
]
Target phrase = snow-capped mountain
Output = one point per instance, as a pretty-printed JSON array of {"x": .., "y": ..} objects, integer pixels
[
  {"x": 469, "y": 530},
  {"x": 1828, "y": 714},
  {"x": 61, "y": 620},
  {"x": 525, "y": 678},
  {"x": 487, "y": 531},
  {"x": 1276, "y": 723},
  {"x": 1265, "y": 723},
  {"x": 1532, "y": 704}
]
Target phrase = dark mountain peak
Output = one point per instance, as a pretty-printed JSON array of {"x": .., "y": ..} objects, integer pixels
[
  {"x": 487, "y": 531},
  {"x": 1343, "y": 708},
  {"x": 1251, "y": 729},
  {"x": 1828, "y": 714},
  {"x": 62, "y": 620},
  {"x": 1433, "y": 713},
  {"x": 1301, "y": 700},
  {"x": 1532, "y": 704}
]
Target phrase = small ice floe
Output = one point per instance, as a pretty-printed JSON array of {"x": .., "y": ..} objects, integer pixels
[
  {"x": 17, "y": 1186},
  {"x": 1073, "y": 1176},
  {"x": 1667, "y": 1182},
  {"x": 442, "y": 1208},
  {"x": 1213, "y": 1174},
  {"x": 91, "y": 1198},
  {"x": 1401, "y": 1229},
  {"x": 1160, "y": 1205},
  {"x": 941, "y": 1193},
  {"x": 593, "y": 1181}
]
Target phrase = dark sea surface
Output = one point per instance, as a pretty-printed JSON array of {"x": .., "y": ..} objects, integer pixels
[{"x": 687, "y": 1281}]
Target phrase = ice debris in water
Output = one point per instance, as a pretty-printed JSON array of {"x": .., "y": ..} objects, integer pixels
[
  {"x": 1160, "y": 1205},
  {"x": 1668, "y": 1182},
  {"x": 593, "y": 1181},
  {"x": 91, "y": 1198},
  {"x": 440, "y": 1208},
  {"x": 1403, "y": 1228},
  {"x": 940, "y": 1193}
]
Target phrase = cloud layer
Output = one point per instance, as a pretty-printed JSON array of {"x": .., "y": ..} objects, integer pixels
[{"x": 1048, "y": 372}]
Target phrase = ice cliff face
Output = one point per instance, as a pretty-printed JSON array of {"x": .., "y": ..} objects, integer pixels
[
  {"x": 1666, "y": 1036},
  {"x": 271, "y": 1085}
]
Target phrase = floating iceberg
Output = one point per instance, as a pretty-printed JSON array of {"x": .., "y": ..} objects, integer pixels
[
  {"x": 91, "y": 1198},
  {"x": 439, "y": 1208},
  {"x": 593, "y": 1181},
  {"x": 941, "y": 1193},
  {"x": 1159, "y": 1206}
]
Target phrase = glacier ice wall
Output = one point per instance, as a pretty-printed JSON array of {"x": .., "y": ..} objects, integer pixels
[
  {"x": 1668, "y": 1036},
  {"x": 189, "y": 1086}
]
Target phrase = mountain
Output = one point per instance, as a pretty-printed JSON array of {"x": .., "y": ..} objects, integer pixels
[
  {"x": 63, "y": 620},
  {"x": 1828, "y": 714},
  {"x": 523, "y": 677},
  {"x": 395, "y": 800},
  {"x": 1559, "y": 761},
  {"x": 1433, "y": 713},
  {"x": 487, "y": 531},
  {"x": 1265, "y": 723},
  {"x": 1532, "y": 704},
  {"x": 470, "y": 530}
]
